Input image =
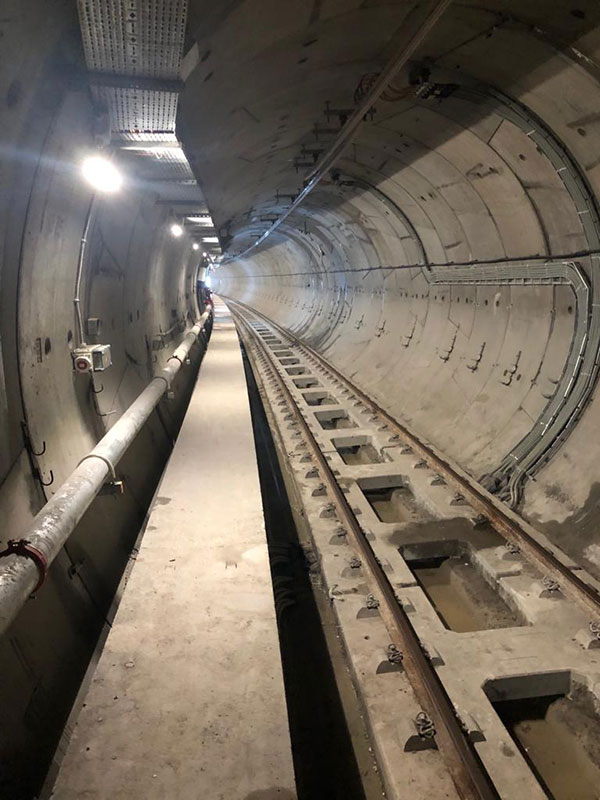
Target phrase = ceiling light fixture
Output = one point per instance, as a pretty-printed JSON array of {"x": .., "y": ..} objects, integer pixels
[
  {"x": 195, "y": 246},
  {"x": 176, "y": 230},
  {"x": 211, "y": 239},
  {"x": 102, "y": 174}
]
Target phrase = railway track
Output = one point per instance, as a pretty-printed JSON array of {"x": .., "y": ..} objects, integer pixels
[
  {"x": 292, "y": 375},
  {"x": 571, "y": 579},
  {"x": 470, "y": 777}
]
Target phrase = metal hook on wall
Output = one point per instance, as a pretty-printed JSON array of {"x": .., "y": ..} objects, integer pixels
[
  {"x": 43, "y": 450},
  {"x": 46, "y": 483},
  {"x": 98, "y": 391},
  {"x": 28, "y": 443}
]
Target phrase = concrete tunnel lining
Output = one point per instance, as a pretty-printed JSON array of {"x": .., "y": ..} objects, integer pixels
[
  {"x": 523, "y": 216},
  {"x": 448, "y": 265}
]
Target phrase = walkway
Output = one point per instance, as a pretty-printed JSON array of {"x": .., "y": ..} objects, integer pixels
[{"x": 187, "y": 701}]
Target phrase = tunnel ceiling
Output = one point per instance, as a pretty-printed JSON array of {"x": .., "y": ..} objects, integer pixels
[{"x": 254, "y": 114}]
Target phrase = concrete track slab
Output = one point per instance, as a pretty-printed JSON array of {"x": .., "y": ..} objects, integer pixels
[{"x": 187, "y": 700}]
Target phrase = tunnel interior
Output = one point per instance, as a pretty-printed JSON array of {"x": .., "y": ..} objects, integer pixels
[{"x": 446, "y": 264}]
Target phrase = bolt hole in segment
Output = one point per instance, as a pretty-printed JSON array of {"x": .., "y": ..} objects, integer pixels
[{"x": 557, "y": 732}]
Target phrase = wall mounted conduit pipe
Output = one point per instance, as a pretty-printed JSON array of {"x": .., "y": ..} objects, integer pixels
[
  {"x": 398, "y": 60},
  {"x": 19, "y": 574},
  {"x": 79, "y": 273}
]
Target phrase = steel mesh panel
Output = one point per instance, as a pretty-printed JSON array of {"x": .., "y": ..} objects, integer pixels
[
  {"x": 165, "y": 164},
  {"x": 133, "y": 37},
  {"x": 139, "y": 38},
  {"x": 139, "y": 110},
  {"x": 140, "y": 136}
]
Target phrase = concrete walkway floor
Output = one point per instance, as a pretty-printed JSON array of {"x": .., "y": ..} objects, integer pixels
[{"x": 187, "y": 701}]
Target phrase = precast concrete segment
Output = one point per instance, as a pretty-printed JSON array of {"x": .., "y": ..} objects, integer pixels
[
  {"x": 187, "y": 699},
  {"x": 56, "y": 521},
  {"x": 552, "y": 641}
]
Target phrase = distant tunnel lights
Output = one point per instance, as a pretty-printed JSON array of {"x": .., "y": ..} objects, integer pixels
[
  {"x": 195, "y": 246},
  {"x": 102, "y": 174},
  {"x": 176, "y": 230},
  {"x": 211, "y": 239}
]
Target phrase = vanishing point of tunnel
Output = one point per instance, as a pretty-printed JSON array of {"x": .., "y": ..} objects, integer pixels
[{"x": 299, "y": 409}]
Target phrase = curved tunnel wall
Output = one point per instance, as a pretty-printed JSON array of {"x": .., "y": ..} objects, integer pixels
[
  {"x": 140, "y": 283},
  {"x": 448, "y": 265}
]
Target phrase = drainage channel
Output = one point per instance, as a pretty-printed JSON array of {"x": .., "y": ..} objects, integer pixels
[{"x": 480, "y": 612}]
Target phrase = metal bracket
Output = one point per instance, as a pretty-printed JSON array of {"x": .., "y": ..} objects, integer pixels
[
  {"x": 23, "y": 547},
  {"x": 474, "y": 365},
  {"x": 446, "y": 353},
  {"x": 112, "y": 487}
]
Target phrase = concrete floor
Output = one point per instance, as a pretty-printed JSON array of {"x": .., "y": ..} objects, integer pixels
[{"x": 187, "y": 700}]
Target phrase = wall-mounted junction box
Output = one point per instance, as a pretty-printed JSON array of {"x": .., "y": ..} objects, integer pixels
[{"x": 91, "y": 358}]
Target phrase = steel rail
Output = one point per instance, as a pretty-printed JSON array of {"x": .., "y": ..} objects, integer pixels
[
  {"x": 468, "y": 772},
  {"x": 514, "y": 529},
  {"x": 52, "y": 526},
  {"x": 398, "y": 60}
]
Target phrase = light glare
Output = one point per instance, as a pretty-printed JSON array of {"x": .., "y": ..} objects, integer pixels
[
  {"x": 211, "y": 239},
  {"x": 195, "y": 246},
  {"x": 102, "y": 174},
  {"x": 176, "y": 230}
]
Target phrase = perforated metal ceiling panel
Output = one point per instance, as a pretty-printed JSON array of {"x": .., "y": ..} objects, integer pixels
[
  {"x": 165, "y": 164},
  {"x": 134, "y": 37},
  {"x": 137, "y": 112}
]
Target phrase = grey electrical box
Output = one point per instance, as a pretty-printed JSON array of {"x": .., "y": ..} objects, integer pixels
[{"x": 91, "y": 358}]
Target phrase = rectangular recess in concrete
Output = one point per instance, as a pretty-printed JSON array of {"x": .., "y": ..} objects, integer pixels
[
  {"x": 297, "y": 370},
  {"x": 287, "y": 360},
  {"x": 554, "y": 722},
  {"x": 391, "y": 498},
  {"x": 357, "y": 450},
  {"x": 458, "y": 591},
  {"x": 333, "y": 420},
  {"x": 305, "y": 383},
  {"x": 319, "y": 398}
]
